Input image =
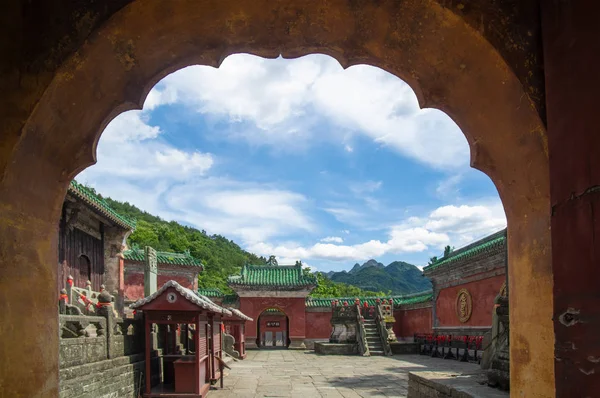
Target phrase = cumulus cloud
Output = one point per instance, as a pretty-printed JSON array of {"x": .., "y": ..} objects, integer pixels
[
  {"x": 287, "y": 99},
  {"x": 445, "y": 225},
  {"x": 131, "y": 148}
]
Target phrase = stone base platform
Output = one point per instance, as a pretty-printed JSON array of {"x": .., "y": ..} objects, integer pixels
[
  {"x": 442, "y": 384},
  {"x": 336, "y": 349},
  {"x": 404, "y": 348}
]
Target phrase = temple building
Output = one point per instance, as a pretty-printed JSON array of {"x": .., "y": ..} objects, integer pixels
[
  {"x": 91, "y": 238},
  {"x": 465, "y": 283},
  {"x": 264, "y": 288}
]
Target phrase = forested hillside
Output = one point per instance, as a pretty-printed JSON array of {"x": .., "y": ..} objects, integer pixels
[
  {"x": 398, "y": 277},
  {"x": 221, "y": 257}
]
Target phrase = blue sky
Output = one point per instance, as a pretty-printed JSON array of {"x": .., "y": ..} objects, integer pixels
[{"x": 301, "y": 159}]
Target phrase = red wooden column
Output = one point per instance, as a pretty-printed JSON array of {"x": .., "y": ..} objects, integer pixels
[
  {"x": 199, "y": 382},
  {"x": 148, "y": 364},
  {"x": 571, "y": 40}
]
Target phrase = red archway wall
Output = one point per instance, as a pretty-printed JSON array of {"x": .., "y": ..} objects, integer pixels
[{"x": 293, "y": 307}]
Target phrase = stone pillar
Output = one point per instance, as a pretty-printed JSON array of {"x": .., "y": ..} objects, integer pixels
[
  {"x": 571, "y": 39},
  {"x": 150, "y": 272},
  {"x": 114, "y": 243}
]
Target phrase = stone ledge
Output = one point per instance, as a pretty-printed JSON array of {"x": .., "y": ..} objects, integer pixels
[
  {"x": 336, "y": 349},
  {"x": 404, "y": 348},
  {"x": 428, "y": 384}
]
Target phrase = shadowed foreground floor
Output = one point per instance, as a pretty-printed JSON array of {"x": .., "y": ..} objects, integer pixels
[{"x": 288, "y": 373}]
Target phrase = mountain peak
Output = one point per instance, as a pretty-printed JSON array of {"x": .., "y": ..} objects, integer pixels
[{"x": 398, "y": 277}]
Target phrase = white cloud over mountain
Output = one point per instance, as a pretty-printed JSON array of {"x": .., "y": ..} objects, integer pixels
[{"x": 456, "y": 225}]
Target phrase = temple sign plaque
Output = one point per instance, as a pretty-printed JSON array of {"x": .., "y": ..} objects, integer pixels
[{"x": 464, "y": 305}]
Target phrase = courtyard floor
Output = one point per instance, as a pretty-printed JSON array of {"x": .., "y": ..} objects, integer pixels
[{"x": 290, "y": 373}]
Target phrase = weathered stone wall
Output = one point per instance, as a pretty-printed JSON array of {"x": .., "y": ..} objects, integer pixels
[
  {"x": 113, "y": 378},
  {"x": 100, "y": 358}
]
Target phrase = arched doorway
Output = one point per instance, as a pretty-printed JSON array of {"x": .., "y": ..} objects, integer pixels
[
  {"x": 273, "y": 329},
  {"x": 463, "y": 74}
]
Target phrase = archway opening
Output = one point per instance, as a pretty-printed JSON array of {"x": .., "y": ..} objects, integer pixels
[
  {"x": 507, "y": 140},
  {"x": 272, "y": 329}
]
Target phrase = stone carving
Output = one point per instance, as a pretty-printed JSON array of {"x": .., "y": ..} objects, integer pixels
[
  {"x": 229, "y": 344},
  {"x": 464, "y": 305}
]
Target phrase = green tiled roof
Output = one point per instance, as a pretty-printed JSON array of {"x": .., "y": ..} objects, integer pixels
[
  {"x": 136, "y": 254},
  {"x": 414, "y": 298},
  {"x": 272, "y": 276},
  {"x": 210, "y": 292},
  {"x": 486, "y": 244},
  {"x": 100, "y": 205}
]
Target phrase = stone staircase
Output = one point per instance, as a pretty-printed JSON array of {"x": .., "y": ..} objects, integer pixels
[{"x": 373, "y": 337}]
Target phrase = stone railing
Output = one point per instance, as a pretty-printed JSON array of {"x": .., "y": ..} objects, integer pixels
[
  {"x": 91, "y": 338},
  {"x": 79, "y": 301},
  {"x": 363, "y": 346},
  {"x": 380, "y": 321}
]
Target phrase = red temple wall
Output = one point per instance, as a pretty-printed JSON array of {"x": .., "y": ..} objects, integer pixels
[
  {"x": 293, "y": 307},
  {"x": 318, "y": 325},
  {"x": 483, "y": 293},
  {"x": 411, "y": 321},
  {"x": 133, "y": 279}
]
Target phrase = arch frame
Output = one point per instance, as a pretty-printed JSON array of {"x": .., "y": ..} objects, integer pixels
[{"x": 449, "y": 65}]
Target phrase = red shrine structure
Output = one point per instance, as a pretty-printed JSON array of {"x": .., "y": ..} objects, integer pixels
[{"x": 192, "y": 354}]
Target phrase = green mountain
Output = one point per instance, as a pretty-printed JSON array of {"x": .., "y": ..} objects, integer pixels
[
  {"x": 398, "y": 277},
  {"x": 221, "y": 257}
]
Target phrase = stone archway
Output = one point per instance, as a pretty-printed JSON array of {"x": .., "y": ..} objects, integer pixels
[{"x": 449, "y": 65}]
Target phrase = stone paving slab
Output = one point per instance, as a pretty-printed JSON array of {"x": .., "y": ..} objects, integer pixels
[{"x": 291, "y": 373}]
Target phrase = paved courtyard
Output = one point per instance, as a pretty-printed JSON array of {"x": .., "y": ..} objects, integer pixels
[{"x": 288, "y": 373}]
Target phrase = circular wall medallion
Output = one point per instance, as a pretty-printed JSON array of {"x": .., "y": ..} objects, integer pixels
[
  {"x": 464, "y": 305},
  {"x": 171, "y": 297}
]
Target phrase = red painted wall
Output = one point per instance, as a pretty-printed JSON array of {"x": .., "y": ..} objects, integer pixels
[
  {"x": 409, "y": 322},
  {"x": 482, "y": 292},
  {"x": 133, "y": 279},
  {"x": 318, "y": 325},
  {"x": 293, "y": 307}
]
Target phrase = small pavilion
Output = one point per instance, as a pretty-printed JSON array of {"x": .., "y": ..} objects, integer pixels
[{"x": 189, "y": 367}]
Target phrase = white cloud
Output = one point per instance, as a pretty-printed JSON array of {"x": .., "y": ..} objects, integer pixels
[
  {"x": 286, "y": 100},
  {"x": 448, "y": 188},
  {"x": 369, "y": 186},
  {"x": 445, "y": 225},
  {"x": 248, "y": 211},
  {"x": 334, "y": 239},
  {"x": 131, "y": 148}
]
